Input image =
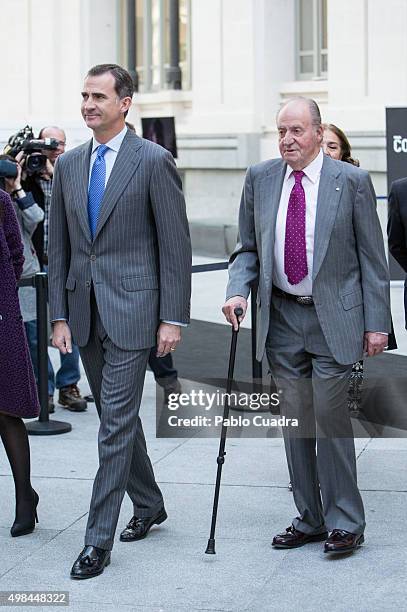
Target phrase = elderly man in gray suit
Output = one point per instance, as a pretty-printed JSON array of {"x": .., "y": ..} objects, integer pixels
[
  {"x": 308, "y": 230},
  {"x": 120, "y": 282}
]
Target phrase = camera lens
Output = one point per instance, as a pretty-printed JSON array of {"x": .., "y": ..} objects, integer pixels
[{"x": 35, "y": 163}]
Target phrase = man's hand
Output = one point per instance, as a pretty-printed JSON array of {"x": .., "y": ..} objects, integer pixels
[
  {"x": 48, "y": 171},
  {"x": 61, "y": 337},
  {"x": 168, "y": 338},
  {"x": 374, "y": 343},
  {"x": 229, "y": 307}
]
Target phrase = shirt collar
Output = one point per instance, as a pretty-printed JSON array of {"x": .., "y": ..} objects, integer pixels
[
  {"x": 312, "y": 171},
  {"x": 114, "y": 143}
]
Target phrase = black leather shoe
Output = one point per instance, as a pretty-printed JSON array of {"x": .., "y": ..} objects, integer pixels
[
  {"x": 138, "y": 528},
  {"x": 292, "y": 538},
  {"x": 341, "y": 541},
  {"x": 90, "y": 563}
]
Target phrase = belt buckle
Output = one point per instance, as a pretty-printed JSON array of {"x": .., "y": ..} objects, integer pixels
[{"x": 305, "y": 300}]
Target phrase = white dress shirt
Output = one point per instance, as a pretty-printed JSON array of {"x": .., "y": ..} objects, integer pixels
[
  {"x": 310, "y": 182},
  {"x": 110, "y": 155}
]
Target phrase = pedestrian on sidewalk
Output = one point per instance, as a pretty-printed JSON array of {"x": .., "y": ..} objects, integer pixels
[
  {"x": 18, "y": 391},
  {"x": 67, "y": 377},
  {"x": 119, "y": 284},
  {"x": 309, "y": 232}
]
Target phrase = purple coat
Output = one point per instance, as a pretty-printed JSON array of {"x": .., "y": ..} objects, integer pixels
[{"x": 18, "y": 391}]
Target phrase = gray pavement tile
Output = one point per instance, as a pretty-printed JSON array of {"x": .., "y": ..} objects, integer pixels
[
  {"x": 389, "y": 444},
  {"x": 247, "y": 513},
  {"x": 243, "y": 465},
  {"x": 385, "y": 513},
  {"x": 62, "y": 501},
  {"x": 155, "y": 574},
  {"x": 383, "y": 470},
  {"x": 92, "y": 606},
  {"x": 66, "y": 457},
  {"x": 114, "y": 606},
  {"x": 16, "y": 550},
  {"x": 253, "y": 513},
  {"x": 306, "y": 577},
  {"x": 361, "y": 443}
]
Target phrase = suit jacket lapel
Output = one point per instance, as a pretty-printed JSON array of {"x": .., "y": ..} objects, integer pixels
[
  {"x": 81, "y": 175},
  {"x": 270, "y": 192},
  {"x": 329, "y": 194},
  {"x": 127, "y": 160}
]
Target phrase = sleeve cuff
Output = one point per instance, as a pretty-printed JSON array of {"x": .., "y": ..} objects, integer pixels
[
  {"x": 26, "y": 201},
  {"x": 175, "y": 323}
]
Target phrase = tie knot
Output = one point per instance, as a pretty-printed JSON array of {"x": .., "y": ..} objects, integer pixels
[
  {"x": 298, "y": 174},
  {"x": 101, "y": 150}
]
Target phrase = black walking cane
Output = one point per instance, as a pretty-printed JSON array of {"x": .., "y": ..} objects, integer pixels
[{"x": 210, "y": 549}]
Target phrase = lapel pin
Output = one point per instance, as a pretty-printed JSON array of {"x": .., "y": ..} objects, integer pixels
[{"x": 337, "y": 188}]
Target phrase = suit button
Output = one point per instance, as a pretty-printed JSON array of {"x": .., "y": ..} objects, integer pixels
[
  {"x": 93, "y": 257},
  {"x": 1, "y": 317},
  {"x": 88, "y": 284}
]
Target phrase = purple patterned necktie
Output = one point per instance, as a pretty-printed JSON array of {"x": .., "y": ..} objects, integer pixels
[{"x": 295, "y": 251}]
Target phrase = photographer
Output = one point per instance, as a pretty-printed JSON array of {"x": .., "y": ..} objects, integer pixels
[
  {"x": 29, "y": 214},
  {"x": 40, "y": 156}
]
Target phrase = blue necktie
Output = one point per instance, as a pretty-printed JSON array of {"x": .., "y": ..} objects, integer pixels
[{"x": 96, "y": 188}]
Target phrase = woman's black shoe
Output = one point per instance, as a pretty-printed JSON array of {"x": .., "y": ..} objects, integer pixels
[{"x": 26, "y": 524}]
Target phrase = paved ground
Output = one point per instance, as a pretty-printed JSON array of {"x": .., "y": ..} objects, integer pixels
[{"x": 168, "y": 570}]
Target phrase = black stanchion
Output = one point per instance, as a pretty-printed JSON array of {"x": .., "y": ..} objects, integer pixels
[
  {"x": 44, "y": 427},
  {"x": 223, "y": 265}
]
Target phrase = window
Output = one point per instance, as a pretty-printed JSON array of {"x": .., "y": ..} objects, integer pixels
[
  {"x": 312, "y": 39},
  {"x": 152, "y": 32}
]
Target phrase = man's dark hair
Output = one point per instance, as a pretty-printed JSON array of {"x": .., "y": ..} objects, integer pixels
[{"x": 123, "y": 83}]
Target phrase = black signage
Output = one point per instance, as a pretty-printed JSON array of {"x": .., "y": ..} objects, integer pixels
[
  {"x": 162, "y": 131},
  {"x": 396, "y": 137}
]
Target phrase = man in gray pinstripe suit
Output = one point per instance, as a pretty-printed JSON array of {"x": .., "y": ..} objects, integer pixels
[
  {"x": 308, "y": 230},
  {"x": 119, "y": 281}
]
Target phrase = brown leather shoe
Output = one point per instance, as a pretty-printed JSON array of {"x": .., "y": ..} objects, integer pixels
[
  {"x": 341, "y": 541},
  {"x": 70, "y": 398},
  {"x": 292, "y": 538}
]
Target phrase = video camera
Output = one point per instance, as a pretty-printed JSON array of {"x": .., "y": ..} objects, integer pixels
[
  {"x": 8, "y": 169},
  {"x": 24, "y": 141}
]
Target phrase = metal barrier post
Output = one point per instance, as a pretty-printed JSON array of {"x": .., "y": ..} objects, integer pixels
[{"x": 44, "y": 427}]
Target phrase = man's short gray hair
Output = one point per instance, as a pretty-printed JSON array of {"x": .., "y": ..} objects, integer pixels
[{"x": 313, "y": 109}]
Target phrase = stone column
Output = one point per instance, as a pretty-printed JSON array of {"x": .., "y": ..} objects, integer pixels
[
  {"x": 131, "y": 42},
  {"x": 173, "y": 74}
]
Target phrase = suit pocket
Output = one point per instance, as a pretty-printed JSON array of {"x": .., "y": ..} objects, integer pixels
[
  {"x": 351, "y": 300},
  {"x": 139, "y": 283},
  {"x": 70, "y": 284}
]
